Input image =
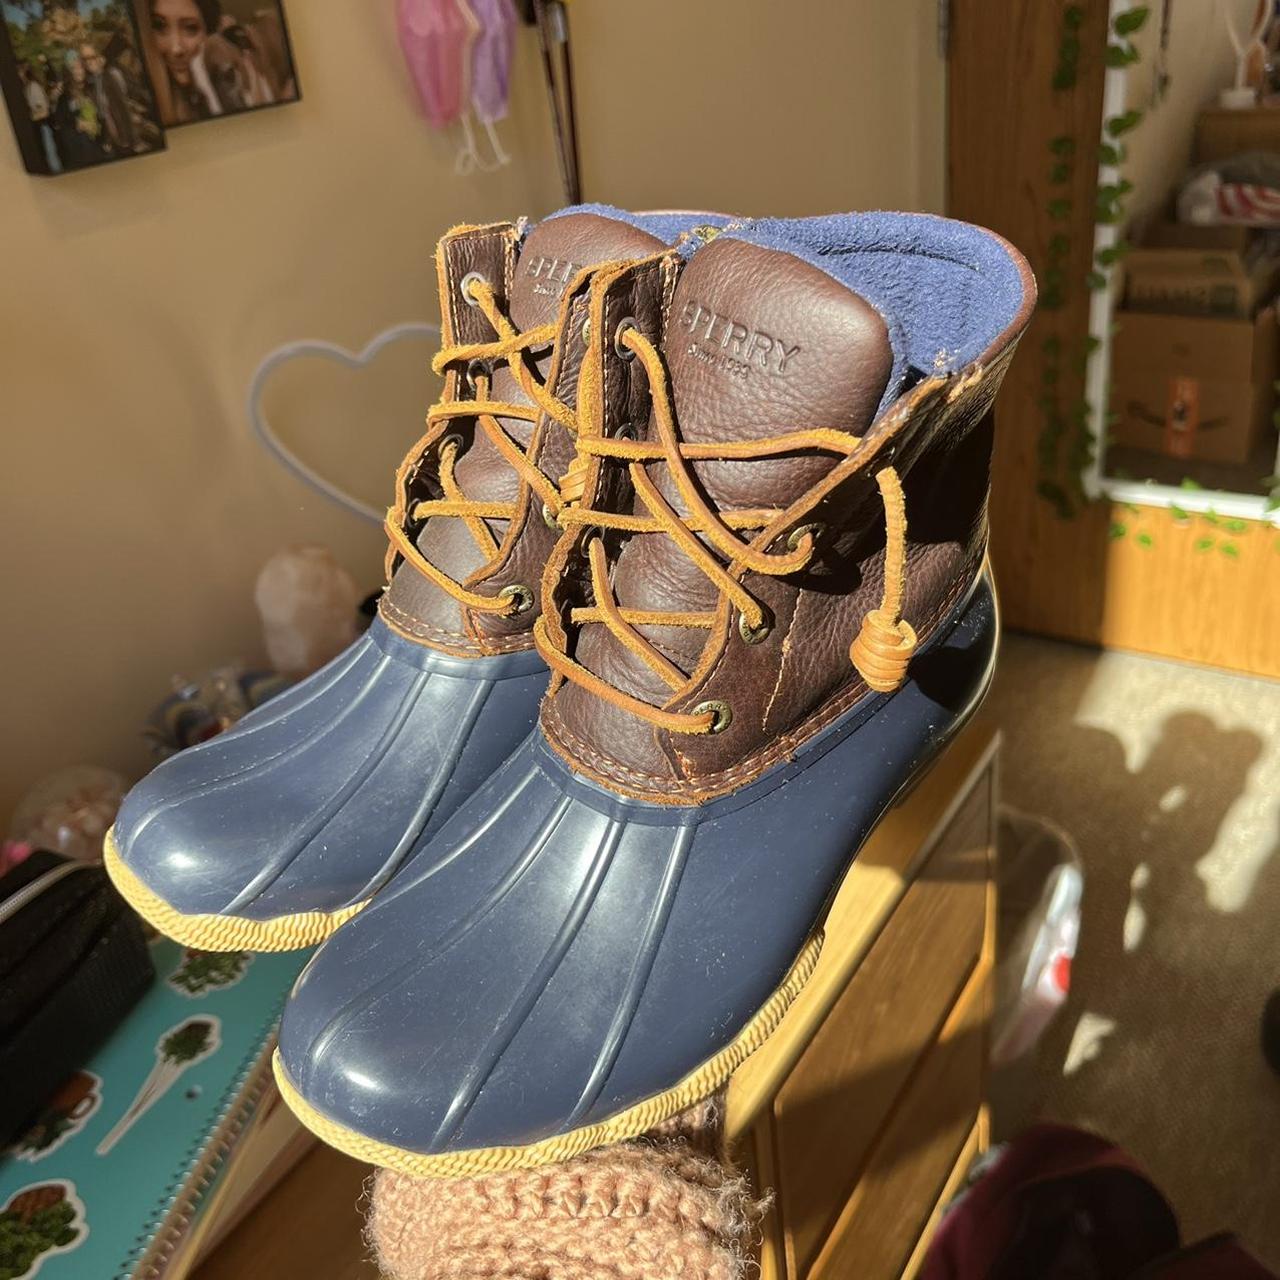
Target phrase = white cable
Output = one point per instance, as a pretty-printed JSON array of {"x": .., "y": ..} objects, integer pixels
[{"x": 328, "y": 351}]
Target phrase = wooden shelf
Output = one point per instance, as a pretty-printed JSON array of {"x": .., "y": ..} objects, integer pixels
[{"x": 1222, "y": 132}]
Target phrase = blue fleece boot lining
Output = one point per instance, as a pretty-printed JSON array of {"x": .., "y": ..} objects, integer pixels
[
  {"x": 666, "y": 226},
  {"x": 946, "y": 289}
]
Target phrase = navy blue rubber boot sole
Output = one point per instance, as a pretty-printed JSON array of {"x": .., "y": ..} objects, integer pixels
[
  {"x": 562, "y": 967},
  {"x": 270, "y": 836}
]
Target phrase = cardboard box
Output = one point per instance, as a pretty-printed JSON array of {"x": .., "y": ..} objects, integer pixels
[
  {"x": 1222, "y": 133},
  {"x": 1193, "y": 386},
  {"x": 1168, "y": 233},
  {"x": 1206, "y": 282}
]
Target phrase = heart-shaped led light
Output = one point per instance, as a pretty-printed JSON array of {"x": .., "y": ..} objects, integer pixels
[{"x": 311, "y": 348}]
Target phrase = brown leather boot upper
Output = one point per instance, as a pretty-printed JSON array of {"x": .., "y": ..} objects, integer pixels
[
  {"x": 527, "y": 278},
  {"x": 678, "y": 691}
]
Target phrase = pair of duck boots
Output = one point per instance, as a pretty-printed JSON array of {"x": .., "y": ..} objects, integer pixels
[{"x": 686, "y": 584}]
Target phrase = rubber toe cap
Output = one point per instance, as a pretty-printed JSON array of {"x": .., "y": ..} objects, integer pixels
[
  {"x": 310, "y": 802},
  {"x": 557, "y": 954}
]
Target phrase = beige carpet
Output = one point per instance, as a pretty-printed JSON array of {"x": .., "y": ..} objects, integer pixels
[{"x": 1168, "y": 778}]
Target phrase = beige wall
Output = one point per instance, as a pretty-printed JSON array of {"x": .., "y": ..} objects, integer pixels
[
  {"x": 137, "y": 300},
  {"x": 751, "y": 107},
  {"x": 1200, "y": 62}
]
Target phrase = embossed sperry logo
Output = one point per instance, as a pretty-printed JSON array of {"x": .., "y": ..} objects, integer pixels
[
  {"x": 731, "y": 346},
  {"x": 550, "y": 274}
]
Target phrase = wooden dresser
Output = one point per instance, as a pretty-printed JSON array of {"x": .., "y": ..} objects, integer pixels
[{"x": 865, "y": 1109}]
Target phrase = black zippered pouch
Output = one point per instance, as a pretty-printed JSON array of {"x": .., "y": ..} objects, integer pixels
[{"x": 73, "y": 962}]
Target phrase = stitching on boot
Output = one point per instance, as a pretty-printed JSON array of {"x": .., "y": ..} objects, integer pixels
[{"x": 413, "y": 628}]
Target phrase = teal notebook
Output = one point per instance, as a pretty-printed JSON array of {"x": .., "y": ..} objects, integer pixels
[{"x": 106, "y": 1182}]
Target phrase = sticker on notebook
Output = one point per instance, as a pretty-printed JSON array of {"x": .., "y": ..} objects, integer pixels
[
  {"x": 177, "y": 1050},
  {"x": 40, "y": 1220},
  {"x": 61, "y": 1118},
  {"x": 203, "y": 971}
]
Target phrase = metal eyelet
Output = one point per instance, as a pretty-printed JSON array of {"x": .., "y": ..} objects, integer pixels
[
  {"x": 624, "y": 352},
  {"x": 722, "y": 714},
  {"x": 474, "y": 369},
  {"x": 472, "y": 277},
  {"x": 754, "y": 635},
  {"x": 521, "y": 594},
  {"x": 627, "y": 431},
  {"x": 797, "y": 534},
  {"x": 549, "y": 518},
  {"x": 586, "y": 332},
  {"x": 452, "y": 438}
]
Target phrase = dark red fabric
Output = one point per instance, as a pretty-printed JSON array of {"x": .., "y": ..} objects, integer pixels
[
  {"x": 1063, "y": 1204},
  {"x": 1219, "y": 1258}
]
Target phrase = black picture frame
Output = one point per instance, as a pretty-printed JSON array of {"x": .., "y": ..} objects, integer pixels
[
  {"x": 199, "y": 74},
  {"x": 75, "y": 83}
]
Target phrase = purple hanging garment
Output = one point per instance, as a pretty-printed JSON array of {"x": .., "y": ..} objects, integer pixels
[{"x": 491, "y": 58}]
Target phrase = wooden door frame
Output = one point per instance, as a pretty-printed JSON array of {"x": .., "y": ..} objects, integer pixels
[{"x": 1160, "y": 592}]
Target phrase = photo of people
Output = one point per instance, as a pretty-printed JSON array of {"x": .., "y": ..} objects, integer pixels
[
  {"x": 210, "y": 58},
  {"x": 83, "y": 95}
]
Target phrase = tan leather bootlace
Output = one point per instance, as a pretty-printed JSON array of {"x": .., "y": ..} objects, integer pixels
[
  {"x": 885, "y": 642},
  {"x": 477, "y": 357}
]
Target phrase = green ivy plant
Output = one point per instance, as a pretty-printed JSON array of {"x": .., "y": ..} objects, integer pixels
[
  {"x": 1216, "y": 532},
  {"x": 1219, "y": 532},
  {"x": 1066, "y": 446},
  {"x": 1066, "y": 71}
]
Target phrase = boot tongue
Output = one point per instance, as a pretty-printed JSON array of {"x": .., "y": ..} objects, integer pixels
[
  {"x": 759, "y": 343},
  {"x": 552, "y": 255},
  {"x": 557, "y": 249}
]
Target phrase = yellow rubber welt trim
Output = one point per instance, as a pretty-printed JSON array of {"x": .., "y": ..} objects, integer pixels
[
  {"x": 699, "y": 1084},
  {"x": 220, "y": 933}
]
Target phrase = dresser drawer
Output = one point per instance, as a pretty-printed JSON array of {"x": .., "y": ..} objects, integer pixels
[
  {"x": 835, "y": 1102},
  {"x": 880, "y": 1227},
  {"x": 974, "y": 1146}
]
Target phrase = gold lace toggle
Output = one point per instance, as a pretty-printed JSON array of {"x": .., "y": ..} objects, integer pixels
[
  {"x": 477, "y": 359},
  {"x": 882, "y": 649},
  {"x": 885, "y": 642}
]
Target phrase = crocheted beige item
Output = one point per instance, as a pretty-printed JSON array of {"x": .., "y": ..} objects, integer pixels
[{"x": 660, "y": 1206}]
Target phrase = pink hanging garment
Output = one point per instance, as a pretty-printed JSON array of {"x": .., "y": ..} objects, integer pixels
[{"x": 434, "y": 36}]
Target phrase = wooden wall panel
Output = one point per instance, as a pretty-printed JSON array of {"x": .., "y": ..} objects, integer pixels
[{"x": 1068, "y": 577}]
